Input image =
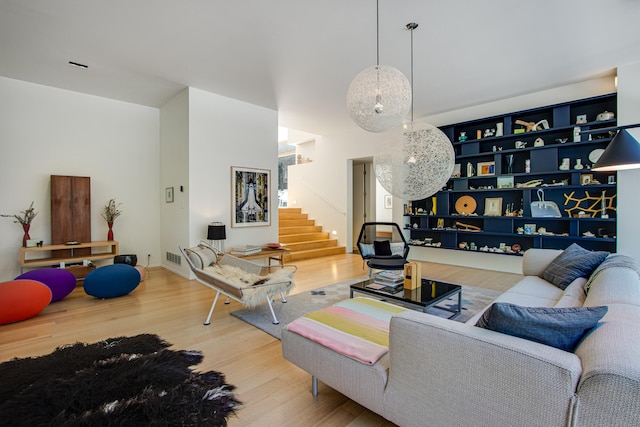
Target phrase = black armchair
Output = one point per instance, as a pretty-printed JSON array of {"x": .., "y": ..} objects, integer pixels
[{"x": 382, "y": 246}]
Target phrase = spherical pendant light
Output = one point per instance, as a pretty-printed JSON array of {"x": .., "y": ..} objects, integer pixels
[
  {"x": 417, "y": 164},
  {"x": 379, "y": 98}
]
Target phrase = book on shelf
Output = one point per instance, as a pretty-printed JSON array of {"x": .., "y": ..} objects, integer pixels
[{"x": 246, "y": 249}]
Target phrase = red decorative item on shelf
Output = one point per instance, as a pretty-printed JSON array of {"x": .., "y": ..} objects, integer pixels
[
  {"x": 26, "y": 236},
  {"x": 110, "y": 233}
]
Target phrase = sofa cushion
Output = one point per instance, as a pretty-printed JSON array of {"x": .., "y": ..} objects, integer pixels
[
  {"x": 562, "y": 328},
  {"x": 382, "y": 247},
  {"x": 572, "y": 263}
]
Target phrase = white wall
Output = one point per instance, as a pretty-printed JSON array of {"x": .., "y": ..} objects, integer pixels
[
  {"x": 221, "y": 132},
  {"x": 46, "y": 131},
  {"x": 322, "y": 187},
  {"x": 628, "y": 200}
]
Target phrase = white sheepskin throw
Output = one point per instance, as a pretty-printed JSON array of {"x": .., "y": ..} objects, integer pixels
[{"x": 255, "y": 288}]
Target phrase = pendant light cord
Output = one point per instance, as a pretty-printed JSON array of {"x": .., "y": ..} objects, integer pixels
[
  {"x": 411, "y": 26},
  {"x": 378, "y": 32}
]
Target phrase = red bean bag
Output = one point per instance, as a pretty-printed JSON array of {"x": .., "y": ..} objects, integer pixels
[{"x": 22, "y": 299}]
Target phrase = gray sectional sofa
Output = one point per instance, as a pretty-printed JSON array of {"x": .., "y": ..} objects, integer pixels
[{"x": 440, "y": 372}]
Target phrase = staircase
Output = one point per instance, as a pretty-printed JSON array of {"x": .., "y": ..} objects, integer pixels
[{"x": 304, "y": 238}]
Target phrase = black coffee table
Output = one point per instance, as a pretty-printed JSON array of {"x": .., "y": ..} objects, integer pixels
[{"x": 422, "y": 298}]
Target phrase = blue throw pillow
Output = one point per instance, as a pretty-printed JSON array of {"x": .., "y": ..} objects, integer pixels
[
  {"x": 572, "y": 263},
  {"x": 562, "y": 328}
]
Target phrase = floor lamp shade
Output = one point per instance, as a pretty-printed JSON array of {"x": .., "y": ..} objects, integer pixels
[
  {"x": 622, "y": 153},
  {"x": 216, "y": 232}
]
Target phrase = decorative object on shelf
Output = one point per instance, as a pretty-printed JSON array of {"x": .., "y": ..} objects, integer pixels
[
  {"x": 456, "y": 171},
  {"x": 467, "y": 227},
  {"x": 561, "y": 140},
  {"x": 493, "y": 206},
  {"x": 486, "y": 168},
  {"x": 527, "y": 166},
  {"x": 216, "y": 235},
  {"x": 565, "y": 165},
  {"x": 595, "y": 155},
  {"x": 499, "y": 129},
  {"x": 463, "y": 137},
  {"x": 576, "y": 134},
  {"x": 543, "y": 208},
  {"x": 622, "y": 153},
  {"x": 527, "y": 125},
  {"x": 529, "y": 229},
  {"x": 470, "y": 170},
  {"x": 505, "y": 182},
  {"x": 605, "y": 115},
  {"x": 489, "y": 133},
  {"x": 24, "y": 220},
  {"x": 110, "y": 212},
  {"x": 420, "y": 162},
  {"x": 586, "y": 178},
  {"x": 589, "y": 205},
  {"x": 509, "y": 160},
  {"x": 520, "y": 144},
  {"x": 542, "y": 124},
  {"x": 478, "y": 134},
  {"x": 578, "y": 165},
  {"x": 466, "y": 205},
  {"x": 379, "y": 97},
  {"x": 581, "y": 119},
  {"x": 539, "y": 142}
]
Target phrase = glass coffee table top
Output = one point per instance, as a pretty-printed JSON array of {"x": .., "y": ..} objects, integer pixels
[{"x": 422, "y": 298}]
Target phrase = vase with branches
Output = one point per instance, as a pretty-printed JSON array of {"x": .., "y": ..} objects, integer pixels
[
  {"x": 24, "y": 218},
  {"x": 110, "y": 212}
]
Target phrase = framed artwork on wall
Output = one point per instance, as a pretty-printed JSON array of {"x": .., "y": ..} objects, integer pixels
[
  {"x": 250, "y": 197},
  {"x": 388, "y": 201}
]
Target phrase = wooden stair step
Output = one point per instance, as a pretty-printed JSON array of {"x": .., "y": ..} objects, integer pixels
[
  {"x": 291, "y": 215},
  {"x": 284, "y": 231},
  {"x": 303, "y": 237},
  {"x": 312, "y": 244},
  {"x": 314, "y": 253},
  {"x": 289, "y": 210},
  {"x": 286, "y": 223}
]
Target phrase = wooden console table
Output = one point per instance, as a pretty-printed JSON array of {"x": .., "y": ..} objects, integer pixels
[{"x": 47, "y": 259}]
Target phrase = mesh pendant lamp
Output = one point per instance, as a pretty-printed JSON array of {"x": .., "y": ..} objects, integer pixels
[
  {"x": 418, "y": 162},
  {"x": 379, "y": 97}
]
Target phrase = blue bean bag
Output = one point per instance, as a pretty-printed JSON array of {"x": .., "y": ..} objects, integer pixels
[
  {"x": 111, "y": 281},
  {"x": 22, "y": 299},
  {"x": 60, "y": 281}
]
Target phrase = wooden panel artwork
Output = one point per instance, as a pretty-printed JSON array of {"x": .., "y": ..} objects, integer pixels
[{"x": 70, "y": 212}]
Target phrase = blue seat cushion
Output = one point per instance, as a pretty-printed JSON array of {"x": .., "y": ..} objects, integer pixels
[
  {"x": 112, "y": 281},
  {"x": 60, "y": 281}
]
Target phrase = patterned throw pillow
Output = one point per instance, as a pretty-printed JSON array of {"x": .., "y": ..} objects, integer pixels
[
  {"x": 562, "y": 328},
  {"x": 572, "y": 263}
]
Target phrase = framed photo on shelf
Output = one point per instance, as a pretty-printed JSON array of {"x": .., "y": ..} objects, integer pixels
[
  {"x": 486, "y": 168},
  {"x": 250, "y": 202},
  {"x": 586, "y": 178},
  {"x": 440, "y": 223},
  {"x": 505, "y": 182},
  {"x": 493, "y": 206}
]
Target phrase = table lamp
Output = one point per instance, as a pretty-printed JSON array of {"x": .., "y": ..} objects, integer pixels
[{"x": 217, "y": 233}]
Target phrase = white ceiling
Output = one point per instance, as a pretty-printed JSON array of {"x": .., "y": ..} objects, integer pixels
[{"x": 299, "y": 56}]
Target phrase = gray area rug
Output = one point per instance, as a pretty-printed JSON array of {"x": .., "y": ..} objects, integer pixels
[{"x": 474, "y": 299}]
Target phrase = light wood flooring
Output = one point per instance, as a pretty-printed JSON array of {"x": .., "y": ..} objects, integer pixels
[{"x": 273, "y": 391}]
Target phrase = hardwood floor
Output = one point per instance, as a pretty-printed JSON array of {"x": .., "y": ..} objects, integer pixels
[{"x": 273, "y": 391}]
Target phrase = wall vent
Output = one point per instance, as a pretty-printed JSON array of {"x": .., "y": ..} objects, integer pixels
[{"x": 174, "y": 258}]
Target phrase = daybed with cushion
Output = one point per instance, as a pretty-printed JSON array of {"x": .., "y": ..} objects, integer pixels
[
  {"x": 440, "y": 372},
  {"x": 238, "y": 279}
]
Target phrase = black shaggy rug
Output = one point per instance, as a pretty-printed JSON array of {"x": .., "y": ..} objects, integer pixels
[{"x": 124, "y": 381}]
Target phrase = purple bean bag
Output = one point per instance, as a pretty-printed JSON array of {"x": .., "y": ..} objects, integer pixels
[{"x": 60, "y": 281}]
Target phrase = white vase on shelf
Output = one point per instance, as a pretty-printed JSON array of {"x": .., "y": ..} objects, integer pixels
[{"x": 579, "y": 164}]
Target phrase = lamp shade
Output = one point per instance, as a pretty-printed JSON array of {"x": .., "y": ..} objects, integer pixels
[
  {"x": 216, "y": 232},
  {"x": 622, "y": 153},
  {"x": 417, "y": 164},
  {"x": 379, "y": 98}
]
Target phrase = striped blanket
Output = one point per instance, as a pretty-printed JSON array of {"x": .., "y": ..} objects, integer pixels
[{"x": 357, "y": 328}]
